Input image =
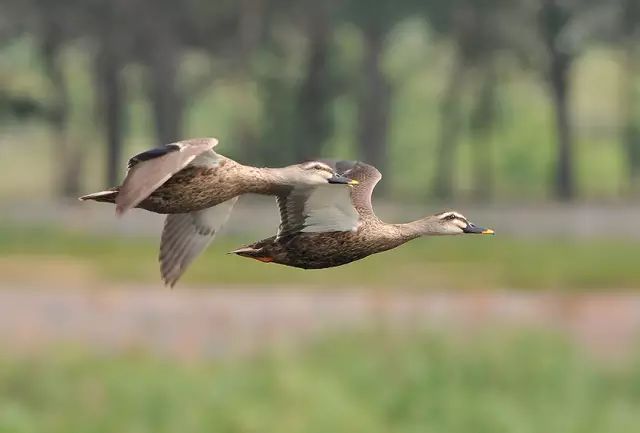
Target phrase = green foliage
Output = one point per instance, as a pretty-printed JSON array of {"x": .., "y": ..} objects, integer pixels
[
  {"x": 254, "y": 114},
  {"x": 370, "y": 382}
]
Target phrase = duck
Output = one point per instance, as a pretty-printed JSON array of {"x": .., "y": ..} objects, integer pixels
[
  {"x": 197, "y": 188},
  {"x": 324, "y": 228}
]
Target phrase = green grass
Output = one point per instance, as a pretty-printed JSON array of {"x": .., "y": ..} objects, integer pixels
[
  {"x": 437, "y": 263},
  {"x": 369, "y": 383}
]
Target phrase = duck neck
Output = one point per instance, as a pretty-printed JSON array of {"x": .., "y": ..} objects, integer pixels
[
  {"x": 261, "y": 180},
  {"x": 427, "y": 226}
]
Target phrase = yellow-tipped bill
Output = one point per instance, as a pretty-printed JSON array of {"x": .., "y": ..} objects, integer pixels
[
  {"x": 474, "y": 229},
  {"x": 339, "y": 179}
]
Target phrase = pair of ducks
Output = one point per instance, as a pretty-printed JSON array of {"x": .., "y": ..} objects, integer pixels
[{"x": 326, "y": 216}]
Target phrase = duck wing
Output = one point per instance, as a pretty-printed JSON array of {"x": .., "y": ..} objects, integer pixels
[
  {"x": 186, "y": 235},
  {"x": 325, "y": 208},
  {"x": 367, "y": 176},
  {"x": 149, "y": 170}
]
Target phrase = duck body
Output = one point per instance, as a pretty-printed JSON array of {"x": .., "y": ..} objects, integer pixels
[
  {"x": 328, "y": 249},
  {"x": 326, "y": 228},
  {"x": 197, "y": 189},
  {"x": 201, "y": 186}
]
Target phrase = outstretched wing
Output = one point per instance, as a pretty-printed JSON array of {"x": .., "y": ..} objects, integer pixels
[
  {"x": 149, "y": 170},
  {"x": 367, "y": 176},
  {"x": 185, "y": 236},
  {"x": 325, "y": 208}
]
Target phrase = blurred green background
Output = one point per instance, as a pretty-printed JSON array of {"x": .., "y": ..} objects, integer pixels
[{"x": 523, "y": 114}]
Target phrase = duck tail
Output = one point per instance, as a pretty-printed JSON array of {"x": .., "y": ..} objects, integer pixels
[
  {"x": 252, "y": 253},
  {"x": 245, "y": 252},
  {"x": 108, "y": 196}
]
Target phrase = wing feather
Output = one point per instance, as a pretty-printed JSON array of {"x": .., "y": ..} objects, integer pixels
[
  {"x": 368, "y": 177},
  {"x": 185, "y": 236},
  {"x": 150, "y": 169},
  {"x": 325, "y": 208}
]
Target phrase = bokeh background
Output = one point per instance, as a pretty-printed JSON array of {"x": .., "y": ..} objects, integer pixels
[{"x": 524, "y": 115}]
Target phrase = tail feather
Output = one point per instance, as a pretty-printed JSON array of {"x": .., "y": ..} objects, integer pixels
[
  {"x": 253, "y": 253},
  {"x": 249, "y": 251},
  {"x": 108, "y": 196},
  {"x": 245, "y": 251}
]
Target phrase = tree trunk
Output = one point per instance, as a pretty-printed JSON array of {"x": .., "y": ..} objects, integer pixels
[
  {"x": 111, "y": 100},
  {"x": 554, "y": 17},
  {"x": 374, "y": 102},
  {"x": 559, "y": 84},
  {"x": 67, "y": 158},
  {"x": 450, "y": 127},
  {"x": 483, "y": 121},
  {"x": 631, "y": 124},
  {"x": 314, "y": 126},
  {"x": 630, "y": 97},
  {"x": 110, "y": 93},
  {"x": 165, "y": 94}
]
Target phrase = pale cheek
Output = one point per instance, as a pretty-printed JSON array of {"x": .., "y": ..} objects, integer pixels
[
  {"x": 455, "y": 230},
  {"x": 315, "y": 180}
]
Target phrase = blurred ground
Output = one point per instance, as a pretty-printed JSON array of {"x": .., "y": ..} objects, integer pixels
[
  {"x": 197, "y": 324},
  {"x": 528, "y": 331},
  {"x": 532, "y": 220}
]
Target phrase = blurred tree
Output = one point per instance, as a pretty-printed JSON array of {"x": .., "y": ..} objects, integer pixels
[
  {"x": 565, "y": 28},
  {"x": 454, "y": 20},
  {"x": 160, "y": 49},
  {"x": 314, "y": 125},
  {"x": 297, "y": 86},
  {"x": 111, "y": 55},
  {"x": 483, "y": 120},
  {"x": 374, "y": 98},
  {"x": 373, "y": 87},
  {"x": 629, "y": 19},
  {"x": 17, "y": 105},
  {"x": 479, "y": 30},
  {"x": 554, "y": 18},
  {"x": 53, "y": 28}
]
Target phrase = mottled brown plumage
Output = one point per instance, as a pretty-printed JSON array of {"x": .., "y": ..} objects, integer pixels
[
  {"x": 370, "y": 235},
  {"x": 198, "y": 187},
  {"x": 195, "y": 188}
]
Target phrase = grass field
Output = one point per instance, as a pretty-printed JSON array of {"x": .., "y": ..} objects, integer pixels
[
  {"x": 452, "y": 263},
  {"x": 373, "y": 382}
]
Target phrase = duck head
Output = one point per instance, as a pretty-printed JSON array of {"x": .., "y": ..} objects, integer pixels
[
  {"x": 314, "y": 173},
  {"x": 454, "y": 223}
]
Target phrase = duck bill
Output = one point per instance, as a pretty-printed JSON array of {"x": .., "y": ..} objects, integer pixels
[
  {"x": 342, "y": 180},
  {"x": 474, "y": 229}
]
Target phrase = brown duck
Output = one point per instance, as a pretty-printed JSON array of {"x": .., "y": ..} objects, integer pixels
[
  {"x": 324, "y": 227},
  {"x": 198, "y": 187}
]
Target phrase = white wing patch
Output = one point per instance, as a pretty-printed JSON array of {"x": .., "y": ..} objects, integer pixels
[{"x": 329, "y": 209}]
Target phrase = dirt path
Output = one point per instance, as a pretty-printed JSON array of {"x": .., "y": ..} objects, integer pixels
[{"x": 191, "y": 323}]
